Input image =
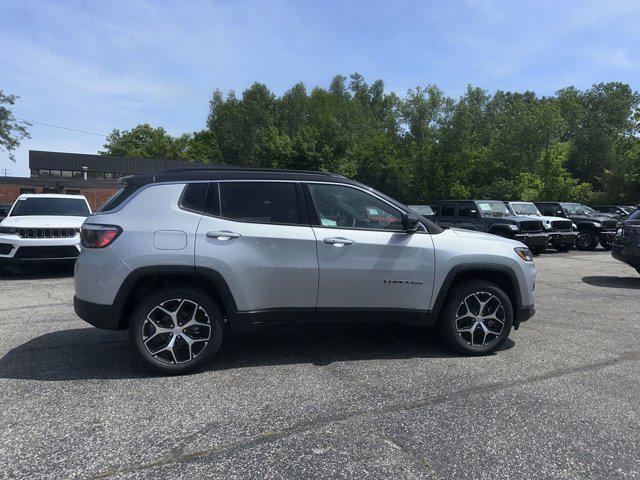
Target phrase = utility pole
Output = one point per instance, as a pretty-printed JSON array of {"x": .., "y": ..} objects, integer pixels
[{"x": 6, "y": 172}]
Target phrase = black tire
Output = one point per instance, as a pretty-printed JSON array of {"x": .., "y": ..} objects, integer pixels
[
  {"x": 448, "y": 324},
  {"x": 564, "y": 248},
  {"x": 587, "y": 240},
  {"x": 538, "y": 250},
  {"x": 181, "y": 358}
]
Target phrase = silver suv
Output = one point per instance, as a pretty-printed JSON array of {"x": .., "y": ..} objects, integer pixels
[{"x": 187, "y": 257}]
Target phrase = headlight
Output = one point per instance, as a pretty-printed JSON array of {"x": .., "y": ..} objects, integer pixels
[
  {"x": 597, "y": 224},
  {"x": 513, "y": 227},
  {"x": 524, "y": 253},
  {"x": 10, "y": 230}
]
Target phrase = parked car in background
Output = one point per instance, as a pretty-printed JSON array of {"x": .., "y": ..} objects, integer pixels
[
  {"x": 626, "y": 246},
  {"x": 4, "y": 210},
  {"x": 593, "y": 227},
  {"x": 562, "y": 232},
  {"x": 622, "y": 211},
  {"x": 424, "y": 210},
  {"x": 42, "y": 227},
  {"x": 186, "y": 257},
  {"x": 492, "y": 216}
]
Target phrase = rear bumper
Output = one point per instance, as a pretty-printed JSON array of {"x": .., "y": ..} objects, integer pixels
[
  {"x": 562, "y": 238},
  {"x": 532, "y": 239},
  {"x": 101, "y": 316}
]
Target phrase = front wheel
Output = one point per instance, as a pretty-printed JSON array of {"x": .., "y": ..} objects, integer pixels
[
  {"x": 174, "y": 330},
  {"x": 587, "y": 240},
  {"x": 477, "y": 318}
]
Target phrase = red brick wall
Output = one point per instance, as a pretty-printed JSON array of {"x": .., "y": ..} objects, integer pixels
[{"x": 96, "y": 196}]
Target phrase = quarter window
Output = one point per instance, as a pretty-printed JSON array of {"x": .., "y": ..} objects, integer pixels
[
  {"x": 346, "y": 207},
  {"x": 193, "y": 197},
  {"x": 260, "y": 202}
]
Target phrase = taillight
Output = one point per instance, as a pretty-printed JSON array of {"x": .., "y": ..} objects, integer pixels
[{"x": 99, "y": 236}]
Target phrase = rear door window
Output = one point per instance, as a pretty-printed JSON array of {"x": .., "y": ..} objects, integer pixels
[
  {"x": 448, "y": 210},
  {"x": 260, "y": 202}
]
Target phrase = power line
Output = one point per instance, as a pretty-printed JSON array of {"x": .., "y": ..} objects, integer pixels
[{"x": 62, "y": 128}]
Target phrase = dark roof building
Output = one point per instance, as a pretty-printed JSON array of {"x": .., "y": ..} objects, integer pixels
[{"x": 95, "y": 176}]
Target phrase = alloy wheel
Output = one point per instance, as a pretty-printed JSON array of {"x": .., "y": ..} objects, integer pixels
[
  {"x": 176, "y": 331},
  {"x": 480, "y": 319},
  {"x": 583, "y": 240}
]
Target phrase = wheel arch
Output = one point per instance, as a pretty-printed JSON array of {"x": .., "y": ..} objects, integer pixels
[
  {"x": 145, "y": 279},
  {"x": 502, "y": 276}
]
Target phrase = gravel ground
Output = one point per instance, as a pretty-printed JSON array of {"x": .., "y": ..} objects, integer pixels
[{"x": 561, "y": 400}]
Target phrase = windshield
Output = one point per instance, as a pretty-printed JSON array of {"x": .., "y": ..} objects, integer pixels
[
  {"x": 576, "y": 209},
  {"x": 422, "y": 209},
  {"x": 525, "y": 208},
  {"x": 69, "y": 207},
  {"x": 635, "y": 215},
  {"x": 493, "y": 209}
]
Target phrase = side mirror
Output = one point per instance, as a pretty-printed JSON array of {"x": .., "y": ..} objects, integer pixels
[{"x": 410, "y": 222}]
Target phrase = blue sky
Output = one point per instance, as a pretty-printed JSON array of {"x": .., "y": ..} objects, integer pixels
[{"x": 95, "y": 65}]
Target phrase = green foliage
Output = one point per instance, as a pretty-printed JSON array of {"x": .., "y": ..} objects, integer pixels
[
  {"x": 576, "y": 145},
  {"x": 12, "y": 132}
]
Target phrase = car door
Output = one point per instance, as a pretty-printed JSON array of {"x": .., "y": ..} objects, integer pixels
[
  {"x": 447, "y": 214},
  {"x": 369, "y": 265},
  {"x": 468, "y": 216},
  {"x": 257, "y": 236}
]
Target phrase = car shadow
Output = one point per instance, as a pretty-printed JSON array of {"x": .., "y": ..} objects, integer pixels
[
  {"x": 613, "y": 282},
  {"x": 89, "y": 353}
]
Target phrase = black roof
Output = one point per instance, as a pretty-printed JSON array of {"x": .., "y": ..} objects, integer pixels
[
  {"x": 104, "y": 163},
  {"x": 235, "y": 173}
]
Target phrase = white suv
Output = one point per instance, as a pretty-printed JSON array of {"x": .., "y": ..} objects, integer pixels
[
  {"x": 184, "y": 258},
  {"x": 42, "y": 227}
]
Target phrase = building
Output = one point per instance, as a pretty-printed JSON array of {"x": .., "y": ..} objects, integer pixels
[{"x": 94, "y": 176}]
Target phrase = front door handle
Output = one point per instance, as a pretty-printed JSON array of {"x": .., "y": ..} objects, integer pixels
[
  {"x": 338, "y": 241},
  {"x": 223, "y": 235}
]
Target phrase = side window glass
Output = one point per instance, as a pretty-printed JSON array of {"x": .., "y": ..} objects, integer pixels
[
  {"x": 259, "y": 202},
  {"x": 346, "y": 207},
  {"x": 448, "y": 210},
  {"x": 193, "y": 197},
  {"x": 467, "y": 210}
]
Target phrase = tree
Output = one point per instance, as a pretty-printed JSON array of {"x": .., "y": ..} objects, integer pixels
[
  {"x": 146, "y": 142},
  {"x": 12, "y": 132}
]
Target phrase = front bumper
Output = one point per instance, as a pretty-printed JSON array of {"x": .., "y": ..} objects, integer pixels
[
  {"x": 532, "y": 239},
  {"x": 523, "y": 314},
  {"x": 15, "y": 249},
  {"x": 607, "y": 237},
  {"x": 562, "y": 238},
  {"x": 627, "y": 250}
]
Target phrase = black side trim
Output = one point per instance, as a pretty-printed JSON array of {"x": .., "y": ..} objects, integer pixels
[
  {"x": 481, "y": 267},
  {"x": 523, "y": 314},
  {"x": 274, "y": 315},
  {"x": 101, "y": 316}
]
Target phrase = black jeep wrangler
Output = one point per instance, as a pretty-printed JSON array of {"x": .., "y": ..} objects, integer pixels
[
  {"x": 592, "y": 227},
  {"x": 492, "y": 216},
  {"x": 626, "y": 246}
]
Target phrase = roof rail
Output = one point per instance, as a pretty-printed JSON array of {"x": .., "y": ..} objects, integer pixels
[{"x": 245, "y": 169}]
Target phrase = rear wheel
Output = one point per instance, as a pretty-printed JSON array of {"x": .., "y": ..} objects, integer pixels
[
  {"x": 587, "y": 240},
  {"x": 174, "y": 330},
  {"x": 477, "y": 318}
]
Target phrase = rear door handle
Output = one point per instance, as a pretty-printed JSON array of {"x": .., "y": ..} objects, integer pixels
[
  {"x": 338, "y": 241},
  {"x": 223, "y": 235}
]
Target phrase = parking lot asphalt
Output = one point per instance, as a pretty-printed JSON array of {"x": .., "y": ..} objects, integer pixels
[{"x": 561, "y": 400}]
